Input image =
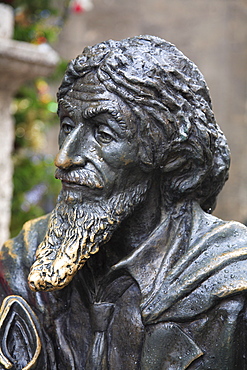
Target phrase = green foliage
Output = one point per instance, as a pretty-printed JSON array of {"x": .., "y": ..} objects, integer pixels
[
  {"x": 33, "y": 20},
  {"x": 34, "y": 107},
  {"x": 35, "y": 189}
]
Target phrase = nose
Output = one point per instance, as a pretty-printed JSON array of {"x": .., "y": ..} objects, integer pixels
[{"x": 71, "y": 152}]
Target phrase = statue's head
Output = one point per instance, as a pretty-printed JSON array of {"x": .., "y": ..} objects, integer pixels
[
  {"x": 166, "y": 106},
  {"x": 133, "y": 113}
]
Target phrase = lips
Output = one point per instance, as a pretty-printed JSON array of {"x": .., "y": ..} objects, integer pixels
[{"x": 80, "y": 177}]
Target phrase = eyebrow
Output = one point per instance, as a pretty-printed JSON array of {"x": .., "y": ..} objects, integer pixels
[
  {"x": 65, "y": 105},
  {"x": 91, "y": 112},
  {"x": 95, "y": 111}
]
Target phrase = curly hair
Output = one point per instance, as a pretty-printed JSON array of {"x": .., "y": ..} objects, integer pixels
[{"x": 175, "y": 124}]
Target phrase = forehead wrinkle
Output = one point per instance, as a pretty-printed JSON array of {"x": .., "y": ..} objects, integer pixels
[
  {"x": 88, "y": 88},
  {"x": 74, "y": 99},
  {"x": 84, "y": 94}
]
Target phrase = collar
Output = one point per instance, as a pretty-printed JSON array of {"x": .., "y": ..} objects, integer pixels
[{"x": 182, "y": 286}]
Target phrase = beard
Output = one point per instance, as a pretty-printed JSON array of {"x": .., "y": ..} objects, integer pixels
[{"x": 76, "y": 231}]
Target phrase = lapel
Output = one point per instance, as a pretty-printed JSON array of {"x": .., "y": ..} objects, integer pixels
[{"x": 166, "y": 346}]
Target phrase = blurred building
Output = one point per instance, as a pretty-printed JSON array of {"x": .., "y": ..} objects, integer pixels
[{"x": 213, "y": 33}]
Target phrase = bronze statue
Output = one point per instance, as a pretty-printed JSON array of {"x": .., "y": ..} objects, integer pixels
[{"x": 130, "y": 270}]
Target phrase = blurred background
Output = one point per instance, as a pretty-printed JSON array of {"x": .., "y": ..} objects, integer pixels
[{"x": 212, "y": 33}]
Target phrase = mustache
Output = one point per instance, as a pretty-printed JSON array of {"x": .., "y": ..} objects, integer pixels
[{"x": 80, "y": 176}]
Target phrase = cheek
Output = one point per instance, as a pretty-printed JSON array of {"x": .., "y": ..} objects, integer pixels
[
  {"x": 122, "y": 168},
  {"x": 121, "y": 156}
]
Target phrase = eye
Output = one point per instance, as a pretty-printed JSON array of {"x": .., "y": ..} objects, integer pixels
[
  {"x": 67, "y": 127},
  {"x": 103, "y": 134}
]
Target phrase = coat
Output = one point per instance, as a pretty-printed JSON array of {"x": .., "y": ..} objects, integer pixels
[{"x": 157, "y": 308}]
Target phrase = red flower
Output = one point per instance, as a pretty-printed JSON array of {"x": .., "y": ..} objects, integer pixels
[
  {"x": 40, "y": 40},
  {"x": 77, "y": 7}
]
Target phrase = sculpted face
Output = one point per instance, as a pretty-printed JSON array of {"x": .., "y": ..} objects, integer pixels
[
  {"x": 102, "y": 182},
  {"x": 97, "y": 152}
]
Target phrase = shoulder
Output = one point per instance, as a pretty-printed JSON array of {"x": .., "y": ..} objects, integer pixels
[
  {"x": 17, "y": 255},
  {"x": 209, "y": 228},
  {"x": 213, "y": 268},
  {"x": 27, "y": 241}
]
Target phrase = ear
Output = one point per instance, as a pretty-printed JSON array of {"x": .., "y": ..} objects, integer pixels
[
  {"x": 173, "y": 164},
  {"x": 186, "y": 175}
]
